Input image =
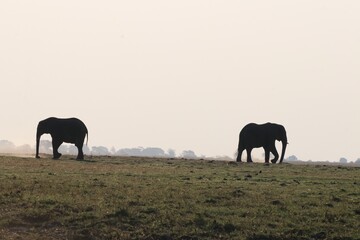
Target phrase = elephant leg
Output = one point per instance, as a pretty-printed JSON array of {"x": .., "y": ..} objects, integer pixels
[
  {"x": 248, "y": 152},
  {"x": 80, "y": 155},
  {"x": 267, "y": 155},
  {"x": 56, "y": 144},
  {"x": 238, "y": 159},
  {"x": 275, "y": 153}
]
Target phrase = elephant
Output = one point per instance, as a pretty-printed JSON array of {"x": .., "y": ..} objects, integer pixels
[
  {"x": 264, "y": 135},
  {"x": 69, "y": 130}
]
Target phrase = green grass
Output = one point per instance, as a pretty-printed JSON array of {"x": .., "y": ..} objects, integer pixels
[{"x": 141, "y": 198}]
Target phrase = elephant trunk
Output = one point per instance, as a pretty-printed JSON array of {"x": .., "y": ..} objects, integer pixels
[
  {"x": 38, "y": 135},
  {"x": 284, "y": 144}
]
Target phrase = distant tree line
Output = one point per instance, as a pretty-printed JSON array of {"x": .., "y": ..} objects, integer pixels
[
  {"x": 342, "y": 160},
  {"x": 46, "y": 147},
  {"x": 9, "y": 147},
  {"x": 69, "y": 149}
]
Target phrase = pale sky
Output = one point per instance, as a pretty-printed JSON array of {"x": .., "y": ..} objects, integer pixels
[{"x": 185, "y": 74}]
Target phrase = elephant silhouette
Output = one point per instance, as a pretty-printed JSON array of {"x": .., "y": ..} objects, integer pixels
[
  {"x": 264, "y": 135},
  {"x": 69, "y": 130}
]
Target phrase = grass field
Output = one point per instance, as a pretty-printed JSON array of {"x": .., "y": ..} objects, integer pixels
[{"x": 141, "y": 198}]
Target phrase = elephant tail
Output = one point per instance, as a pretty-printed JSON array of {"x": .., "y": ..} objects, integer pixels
[{"x": 87, "y": 138}]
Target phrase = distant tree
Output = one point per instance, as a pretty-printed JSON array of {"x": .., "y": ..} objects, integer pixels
[
  {"x": 6, "y": 146},
  {"x": 25, "y": 149},
  {"x": 171, "y": 153},
  {"x": 122, "y": 152},
  {"x": 130, "y": 151},
  {"x": 153, "y": 152},
  {"x": 343, "y": 160},
  {"x": 188, "y": 154},
  {"x": 100, "y": 150},
  {"x": 86, "y": 150},
  {"x": 141, "y": 152},
  {"x": 113, "y": 151},
  {"x": 46, "y": 146},
  {"x": 357, "y": 161},
  {"x": 69, "y": 149},
  {"x": 72, "y": 150},
  {"x": 292, "y": 158},
  {"x": 64, "y": 149}
]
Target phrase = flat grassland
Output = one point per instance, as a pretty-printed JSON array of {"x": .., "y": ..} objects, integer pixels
[{"x": 144, "y": 198}]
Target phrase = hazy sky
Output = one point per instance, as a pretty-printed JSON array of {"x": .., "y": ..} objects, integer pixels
[{"x": 184, "y": 74}]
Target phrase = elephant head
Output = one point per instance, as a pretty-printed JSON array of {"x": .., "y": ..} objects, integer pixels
[
  {"x": 281, "y": 136},
  {"x": 42, "y": 128}
]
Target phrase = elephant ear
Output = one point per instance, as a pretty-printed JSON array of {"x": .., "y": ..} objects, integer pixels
[{"x": 280, "y": 133}]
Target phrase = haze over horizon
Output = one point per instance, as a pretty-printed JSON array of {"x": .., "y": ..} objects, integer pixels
[{"x": 184, "y": 75}]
